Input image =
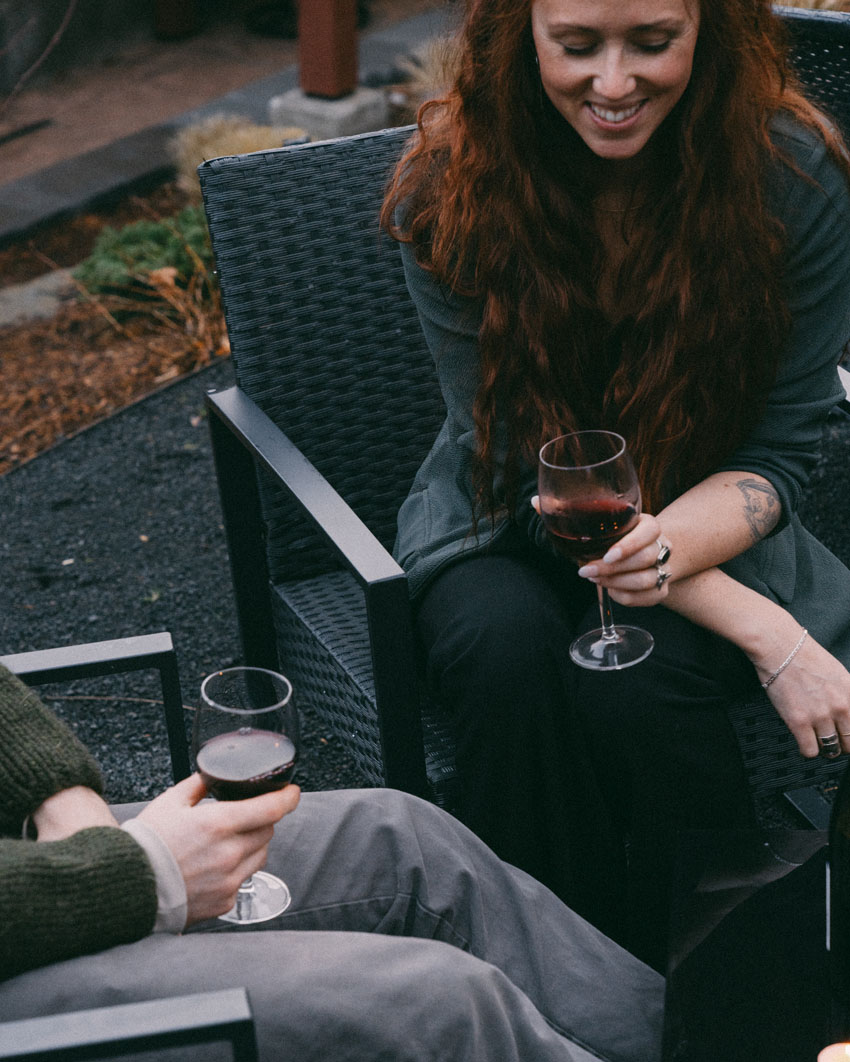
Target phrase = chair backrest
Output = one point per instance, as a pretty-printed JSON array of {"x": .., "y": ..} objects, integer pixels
[
  {"x": 820, "y": 47},
  {"x": 325, "y": 337}
]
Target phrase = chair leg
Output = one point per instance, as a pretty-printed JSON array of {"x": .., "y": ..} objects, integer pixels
[
  {"x": 172, "y": 699},
  {"x": 243, "y": 529}
]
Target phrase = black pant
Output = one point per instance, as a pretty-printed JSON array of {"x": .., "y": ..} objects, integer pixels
[{"x": 581, "y": 778}]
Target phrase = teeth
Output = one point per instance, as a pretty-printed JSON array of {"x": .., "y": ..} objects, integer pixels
[{"x": 614, "y": 116}]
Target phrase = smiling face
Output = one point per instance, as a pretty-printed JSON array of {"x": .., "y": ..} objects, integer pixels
[{"x": 614, "y": 69}]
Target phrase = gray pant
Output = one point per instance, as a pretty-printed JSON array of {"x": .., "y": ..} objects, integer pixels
[{"x": 406, "y": 939}]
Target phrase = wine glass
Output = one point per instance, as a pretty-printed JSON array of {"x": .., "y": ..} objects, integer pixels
[
  {"x": 590, "y": 498},
  {"x": 245, "y": 741}
]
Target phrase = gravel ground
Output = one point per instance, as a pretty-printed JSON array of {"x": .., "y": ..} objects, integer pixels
[{"x": 117, "y": 532}]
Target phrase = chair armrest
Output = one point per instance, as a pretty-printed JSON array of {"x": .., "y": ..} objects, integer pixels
[
  {"x": 345, "y": 532},
  {"x": 844, "y": 376},
  {"x": 109, "y": 1032},
  {"x": 118, "y": 656},
  {"x": 241, "y": 434}
]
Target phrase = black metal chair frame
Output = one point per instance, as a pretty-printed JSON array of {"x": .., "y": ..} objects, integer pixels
[
  {"x": 248, "y": 445},
  {"x": 149, "y": 1025},
  {"x": 241, "y": 433},
  {"x": 119, "y": 656}
]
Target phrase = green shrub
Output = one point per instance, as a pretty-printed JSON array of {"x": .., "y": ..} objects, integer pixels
[{"x": 123, "y": 258}]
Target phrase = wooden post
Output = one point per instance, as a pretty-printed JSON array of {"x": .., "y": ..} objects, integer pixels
[{"x": 327, "y": 47}]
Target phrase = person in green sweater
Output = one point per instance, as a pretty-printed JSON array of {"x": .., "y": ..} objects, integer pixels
[{"x": 406, "y": 938}]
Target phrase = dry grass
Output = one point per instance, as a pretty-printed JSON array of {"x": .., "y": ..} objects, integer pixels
[
  {"x": 430, "y": 70},
  {"x": 61, "y": 375},
  {"x": 221, "y": 134},
  {"x": 102, "y": 352}
]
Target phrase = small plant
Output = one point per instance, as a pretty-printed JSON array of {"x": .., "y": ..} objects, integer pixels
[
  {"x": 160, "y": 270},
  {"x": 125, "y": 258}
]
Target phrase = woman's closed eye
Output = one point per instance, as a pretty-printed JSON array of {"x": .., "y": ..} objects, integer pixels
[
  {"x": 579, "y": 49},
  {"x": 647, "y": 47},
  {"x": 654, "y": 47}
]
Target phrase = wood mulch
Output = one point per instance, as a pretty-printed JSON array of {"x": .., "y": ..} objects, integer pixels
[{"x": 61, "y": 374}]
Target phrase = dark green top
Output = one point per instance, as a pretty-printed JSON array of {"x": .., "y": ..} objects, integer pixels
[
  {"x": 789, "y": 566},
  {"x": 59, "y": 899}
]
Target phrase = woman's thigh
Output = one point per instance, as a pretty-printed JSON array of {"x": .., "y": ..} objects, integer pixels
[{"x": 496, "y": 630}]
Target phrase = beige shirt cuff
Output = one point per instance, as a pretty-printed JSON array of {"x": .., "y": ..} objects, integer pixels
[{"x": 170, "y": 888}]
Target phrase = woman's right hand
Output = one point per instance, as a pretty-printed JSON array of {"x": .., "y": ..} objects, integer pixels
[{"x": 216, "y": 844}]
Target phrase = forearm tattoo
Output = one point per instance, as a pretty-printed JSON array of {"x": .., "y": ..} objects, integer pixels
[{"x": 761, "y": 506}]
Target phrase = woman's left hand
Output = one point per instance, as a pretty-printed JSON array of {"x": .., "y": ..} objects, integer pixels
[
  {"x": 635, "y": 571},
  {"x": 811, "y": 692}
]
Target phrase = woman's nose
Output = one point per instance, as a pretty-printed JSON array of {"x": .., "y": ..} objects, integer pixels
[{"x": 613, "y": 81}]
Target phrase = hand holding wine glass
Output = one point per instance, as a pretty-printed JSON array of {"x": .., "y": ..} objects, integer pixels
[
  {"x": 589, "y": 499},
  {"x": 245, "y": 742}
]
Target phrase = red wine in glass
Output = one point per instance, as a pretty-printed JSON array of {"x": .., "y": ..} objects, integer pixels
[
  {"x": 245, "y": 741},
  {"x": 589, "y": 499},
  {"x": 587, "y": 528},
  {"x": 245, "y": 763}
]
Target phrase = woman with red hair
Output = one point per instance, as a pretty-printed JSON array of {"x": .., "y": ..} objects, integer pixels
[{"x": 625, "y": 215}]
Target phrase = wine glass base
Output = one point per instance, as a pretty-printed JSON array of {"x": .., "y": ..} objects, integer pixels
[
  {"x": 267, "y": 898},
  {"x": 598, "y": 653}
]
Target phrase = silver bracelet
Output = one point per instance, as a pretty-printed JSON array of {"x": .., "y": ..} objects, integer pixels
[{"x": 786, "y": 661}]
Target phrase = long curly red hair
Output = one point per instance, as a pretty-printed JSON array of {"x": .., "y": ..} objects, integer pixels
[{"x": 486, "y": 199}]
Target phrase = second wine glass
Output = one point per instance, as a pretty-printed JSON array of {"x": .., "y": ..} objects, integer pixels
[
  {"x": 245, "y": 741},
  {"x": 589, "y": 499}
]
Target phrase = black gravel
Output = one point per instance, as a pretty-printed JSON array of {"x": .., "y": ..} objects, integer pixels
[{"x": 117, "y": 532}]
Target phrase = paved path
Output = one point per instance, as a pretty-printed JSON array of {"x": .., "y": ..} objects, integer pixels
[{"x": 69, "y": 183}]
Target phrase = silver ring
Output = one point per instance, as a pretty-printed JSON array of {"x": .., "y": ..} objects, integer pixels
[
  {"x": 830, "y": 746},
  {"x": 662, "y": 578},
  {"x": 663, "y": 554}
]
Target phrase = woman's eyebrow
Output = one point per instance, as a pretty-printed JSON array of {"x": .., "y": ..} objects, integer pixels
[{"x": 669, "y": 24}]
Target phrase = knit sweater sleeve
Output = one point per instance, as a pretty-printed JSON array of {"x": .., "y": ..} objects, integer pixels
[
  {"x": 39, "y": 755},
  {"x": 60, "y": 899}
]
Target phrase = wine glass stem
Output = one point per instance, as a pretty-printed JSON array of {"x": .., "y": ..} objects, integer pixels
[
  {"x": 244, "y": 896},
  {"x": 609, "y": 632}
]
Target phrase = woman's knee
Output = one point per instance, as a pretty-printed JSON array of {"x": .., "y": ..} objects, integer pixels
[{"x": 490, "y": 622}]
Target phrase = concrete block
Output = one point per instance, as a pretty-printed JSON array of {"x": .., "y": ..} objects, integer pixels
[
  {"x": 361, "y": 112},
  {"x": 37, "y": 299}
]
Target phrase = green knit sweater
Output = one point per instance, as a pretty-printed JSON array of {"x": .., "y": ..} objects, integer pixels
[{"x": 59, "y": 899}]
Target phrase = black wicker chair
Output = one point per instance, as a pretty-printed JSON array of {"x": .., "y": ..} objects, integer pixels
[{"x": 327, "y": 347}]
